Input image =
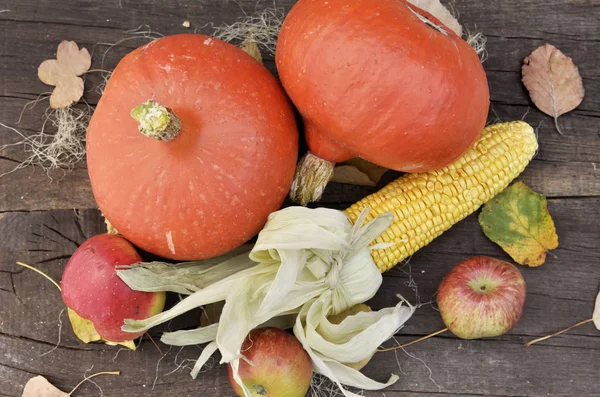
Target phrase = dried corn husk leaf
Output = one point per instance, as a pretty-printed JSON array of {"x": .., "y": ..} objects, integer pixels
[
  {"x": 308, "y": 261},
  {"x": 355, "y": 339},
  {"x": 338, "y": 318},
  {"x": 596, "y": 315},
  {"x": 437, "y": 9},
  {"x": 186, "y": 277}
]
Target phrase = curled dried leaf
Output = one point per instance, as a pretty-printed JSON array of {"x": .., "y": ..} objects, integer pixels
[
  {"x": 358, "y": 172},
  {"x": 63, "y": 73},
  {"x": 350, "y": 175},
  {"x": 38, "y": 386},
  {"x": 553, "y": 81},
  {"x": 438, "y": 10}
]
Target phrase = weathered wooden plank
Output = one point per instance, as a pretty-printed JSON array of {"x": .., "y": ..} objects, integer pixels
[
  {"x": 571, "y": 159},
  {"x": 559, "y": 294},
  {"x": 571, "y": 19},
  {"x": 510, "y": 18},
  {"x": 32, "y": 189},
  {"x": 490, "y": 367}
]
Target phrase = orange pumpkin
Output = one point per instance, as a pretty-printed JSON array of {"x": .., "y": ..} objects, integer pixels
[
  {"x": 196, "y": 171},
  {"x": 382, "y": 80}
]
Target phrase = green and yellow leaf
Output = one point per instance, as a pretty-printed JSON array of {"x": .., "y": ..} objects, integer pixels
[
  {"x": 518, "y": 221},
  {"x": 84, "y": 329}
]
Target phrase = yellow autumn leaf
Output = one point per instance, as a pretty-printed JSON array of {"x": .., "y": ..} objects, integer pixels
[
  {"x": 84, "y": 329},
  {"x": 518, "y": 221}
]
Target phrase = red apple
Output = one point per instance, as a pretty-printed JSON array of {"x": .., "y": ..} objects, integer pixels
[
  {"x": 280, "y": 365},
  {"x": 481, "y": 297},
  {"x": 92, "y": 289}
]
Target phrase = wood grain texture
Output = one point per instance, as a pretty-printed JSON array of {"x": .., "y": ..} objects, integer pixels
[
  {"x": 38, "y": 223},
  {"x": 560, "y": 293},
  {"x": 573, "y": 158}
]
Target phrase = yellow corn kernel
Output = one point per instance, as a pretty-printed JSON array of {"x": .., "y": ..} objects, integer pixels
[{"x": 434, "y": 201}]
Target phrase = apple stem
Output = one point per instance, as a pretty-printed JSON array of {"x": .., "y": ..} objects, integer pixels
[
  {"x": 40, "y": 272},
  {"x": 389, "y": 349},
  {"x": 93, "y": 376},
  {"x": 589, "y": 320}
]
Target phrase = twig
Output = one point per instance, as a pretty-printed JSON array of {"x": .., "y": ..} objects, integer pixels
[
  {"x": 40, "y": 272},
  {"x": 86, "y": 378},
  {"x": 589, "y": 320},
  {"x": 413, "y": 342},
  {"x": 155, "y": 344}
]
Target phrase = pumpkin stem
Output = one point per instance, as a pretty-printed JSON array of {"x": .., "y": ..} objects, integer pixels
[
  {"x": 312, "y": 176},
  {"x": 156, "y": 121}
]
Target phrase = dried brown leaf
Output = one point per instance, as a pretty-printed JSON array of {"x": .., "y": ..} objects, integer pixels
[
  {"x": 374, "y": 171},
  {"x": 63, "y": 73},
  {"x": 350, "y": 175},
  {"x": 553, "y": 81},
  {"x": 38, "y": 386},
  {"x": 358, "y": 172},
  {"x": 250, "y": 47},
  {"x": 438, "y": 10}
]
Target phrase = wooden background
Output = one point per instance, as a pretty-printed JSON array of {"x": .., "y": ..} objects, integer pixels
[{"x": 43, "y": 221}]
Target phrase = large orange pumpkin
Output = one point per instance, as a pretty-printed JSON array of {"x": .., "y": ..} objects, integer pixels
[
  {"x": 204, "y": 163},
  {"x": 382, "y": 80}
]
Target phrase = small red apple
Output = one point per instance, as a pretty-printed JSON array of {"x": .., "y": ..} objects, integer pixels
[
  {"x": 280, "y": 365},
  {"x": 92, "y": 289},
  {"x": 481, "y": 297}
]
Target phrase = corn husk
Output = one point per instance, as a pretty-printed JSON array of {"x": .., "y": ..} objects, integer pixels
[{"x": 307, "y": 264}]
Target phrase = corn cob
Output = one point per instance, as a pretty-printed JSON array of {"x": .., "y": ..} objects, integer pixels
[{"x": 427, "y": 204}]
